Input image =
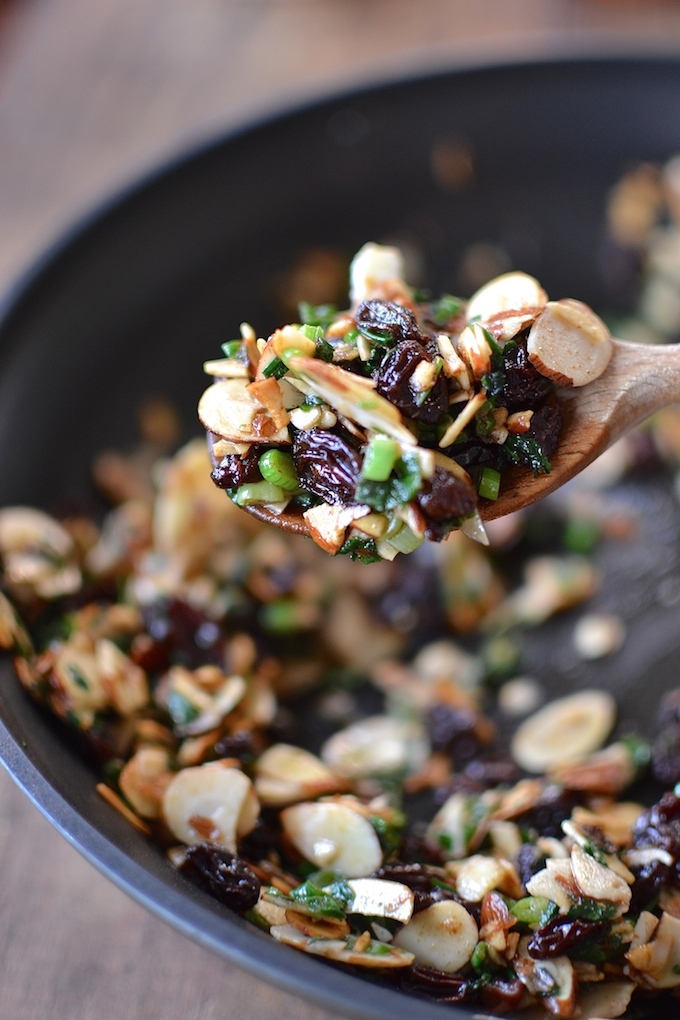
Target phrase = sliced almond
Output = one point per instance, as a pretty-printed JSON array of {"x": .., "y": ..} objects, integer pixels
[
  {"x": 378, "y": 897},
  {"x": 353, "y": 396},
  {"x": 332, "y": 835},
  {"x": 564, "y": 730},
  {"x": 569, "y": 343},
  {"x": 511, "y": 292},
  {"x": 598, "y": 882},
  {"x": 285, "y": 774},
  {"x": 210, "y": 802},
  {"x": 443, "y": 936},
  {"x": 374, "y": 266},
  {"x": 474, "y": 349},
  {"x": 369, "y": 954},
  {"x": 377, "y": 745},
  {"x": 328, "y": 524},
  {"x": 230, "y": 411}
]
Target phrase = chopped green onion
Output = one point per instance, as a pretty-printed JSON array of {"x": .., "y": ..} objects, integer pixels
[
  {"x": 312, "y": 332},
  {"x": 445, "y": 308},
  {"x": 231, "y": 348},
  {"x": 405, "y": 540},
  {"x": 275, "y": 369},
  {"x": 534, "y": 910},
  {"x": 381, "y": 455},
  {"x": 259, "y": 492},
  {"x": 316, "y": 315},
  {"x": 489, "y": 483},
  {"x": 291, "y": 352},
  {"x": 277, "y": 467},
  {"x": 581, "y": 535}
]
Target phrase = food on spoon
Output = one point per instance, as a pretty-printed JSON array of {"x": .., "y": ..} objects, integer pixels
[{"x": 387, "y": 424}]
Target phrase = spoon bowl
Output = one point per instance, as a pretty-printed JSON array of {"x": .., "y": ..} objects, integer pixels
[{"x": 639, "y": 380}]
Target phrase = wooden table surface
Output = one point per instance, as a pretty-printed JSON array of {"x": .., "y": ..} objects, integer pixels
[{"x": 92, "y": 92}]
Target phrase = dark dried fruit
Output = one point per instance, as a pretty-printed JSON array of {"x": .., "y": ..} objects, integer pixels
[
  {"x": 234, "y": 470},
  {"x": 443, "y": 501},
  {"x": 659, "y": 826},
  {"x": 525, "y": 388},
  {"x": 502, "y": 995},
  {"x": 435, "y": 984},
  {"x": 649, "y": 881},
  {"x": 388, "y": 322},
  {"x": 326, "y": 464},
  {"x": 222, "y": 875},
  {"x": 563, "y": 934},
  {"x": 547, "y": 815},
  {"x": 426, "y": 885},
  {"x": 493, "y": 770},
  {"x": 530, "y": 860},
  {"x": 393, "y": 381},
  {"x": 453, "y": 731},
  {"x": 666, "y": 755},
  {"x": 183, "y": 633},
  {"x": 545, "y": 427}
]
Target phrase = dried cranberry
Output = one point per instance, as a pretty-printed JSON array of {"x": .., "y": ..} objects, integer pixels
[
  {"x": 393, "y": 381},
  {"x": 388, "y": 321},
  {"x": 326, "y": 464},
  {"x": 564, "y": 933},
  {"x": 666, "y": 755},
  {"x": 222, "y": 874},
  {"x": 525, "y": 388},
  {"x": 234, "y": 470},
  {"x": 444, "y": 500}
]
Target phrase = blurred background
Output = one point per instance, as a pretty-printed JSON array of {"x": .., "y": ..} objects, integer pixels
[{"x": 92, "y": 94}]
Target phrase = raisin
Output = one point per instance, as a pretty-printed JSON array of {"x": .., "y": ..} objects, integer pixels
[
  {"x": 525, "y": 388},
  {"x": 649, "y": 881},
  {"x": 493, "y": 770},
  {"x": 452, "y": 731},
  {"x": 443, "y": 501},
  {"x": 545, "y": 427},
  {"x": 562, "y": 934},
  {"x": 502, "y": 995},
  {"x": 240, "y": 744},
  {"x": 183, "y": 633},
  {"x": 326, "y": 464},
  {"x": 388, "y": 322},
  {"x": 435, "y": 984},
  {"x": 547, "y": 815},
  {"x": 420, "y": 879},
  {"x": 529, "y": 862},
  {"x": 393, "y": 381},
  {"x": 659, "y": 826},
  {"x": 222, "y": 874},
  {"x": 234, "y": 470},
  {"x": 666, "y": 755}
]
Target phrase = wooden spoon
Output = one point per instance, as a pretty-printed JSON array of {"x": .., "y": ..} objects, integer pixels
[{"x": 640, "y": 379}]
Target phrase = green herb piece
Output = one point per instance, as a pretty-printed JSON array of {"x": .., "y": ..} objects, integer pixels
[
  {"x": 445, "y": 841},
  {"x": 255, "y": 917},
  {"x": 283, "y": 616},
  {"x": 581, "y": 535},
  {"x": 494, "y": 382},
  {"x": 275, "y": 369},
  {"x": 380, "y": 457},
  {"x": 316, "y": 315},
  {"x": 592, "y": 910},
  {"x": 638, "y": 749},
  {"x": 317, "y": 901},
  {"x": 231, "y": 348},
  {"x": 389, "y": 833},
  {"x": 180, "y": 709},
  {"x": 341, "y": 892},
  {"x": 288, "y": 353},
  {"x": 492, "y": 342},
  {"x": 480, "y": 960},
  {"x": 445, "y": 308},
  {"x": 536, "y": 911},
  {"x": 360, "y": 548},
  {"x": 489, "y": 483},
  {"x": 277, "y": 467},
  {"x": 78, "y": 678},
  {"x": 501, "y": 657},
  {"x": 484, "y": 419},
  {"x": 400, "y": 488},
  {"x": 377, "y": 335},
  {"x": 324, "y": 351},
  {"x": 523, "y": 449},
  {"x": 312, "y": 400},
  {"x": 314, "y": 333},
  {"x": 405, "y": 540},
  {"x": 259, "y": 492}
]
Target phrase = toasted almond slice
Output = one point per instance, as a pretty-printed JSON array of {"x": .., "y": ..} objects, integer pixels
[
  {"x": 474, "y": 349},
  {"x": 569, "y": 343},
  {"x": 506, "y": 325},
  {"x": 228, "y": 410},
  {"x": 268, "y": 393},
  {"x": 227, "y": 368},
  {"x": 598, "y": 882},
  {"x": 511, "y": 292},
  {"x": 379, "y": 897},
  {"x": 605, "y": 1000},
  {"x": 353, "y": 396},
  {"x": 285, "y": 774},
  {"x": 656, "y": 963},
  {"x": 327, "y": 524},
  {"x": 23, "y": 528},
  {"x": 462, "y": 420},
  {"x": 333, "y": 835},
  {"x": 564, "y": 730},
  {"x": 443, "y": 936},
  {"x": 373, "y": 266},
  {"x": 144, "y": 779},
  {"x": 377, "y": 745},
  {"x": 210, "y": 802},
  {"x": 371, "y": 954}
]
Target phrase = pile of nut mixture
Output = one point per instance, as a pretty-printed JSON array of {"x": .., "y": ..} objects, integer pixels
[{"x": 352, "y": 756}]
